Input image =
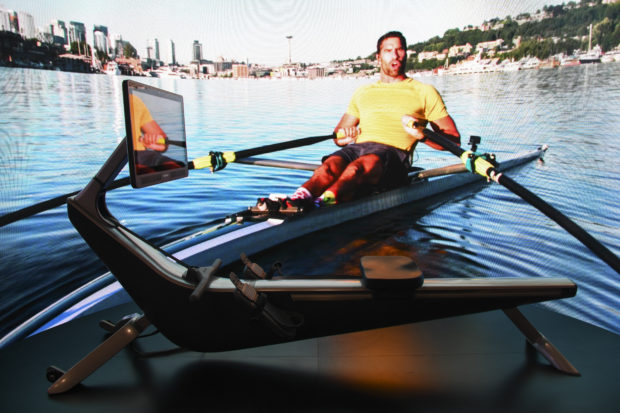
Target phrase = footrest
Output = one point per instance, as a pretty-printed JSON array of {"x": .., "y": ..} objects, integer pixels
[
  {"x": 260, "y": 210},
  {"x": 389, "y": 274},
  {"x": 274, "y": 205}
]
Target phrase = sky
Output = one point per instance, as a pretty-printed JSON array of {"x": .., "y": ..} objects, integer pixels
[{"x": 255, "y": 31}]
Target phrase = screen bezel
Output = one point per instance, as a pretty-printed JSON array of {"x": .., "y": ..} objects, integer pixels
[{"x": 141, "y": 180}]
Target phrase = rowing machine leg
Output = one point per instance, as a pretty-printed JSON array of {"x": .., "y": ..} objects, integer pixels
[
  {"x": 100, "y": 355},
  {"x": 540, "y": 342}
]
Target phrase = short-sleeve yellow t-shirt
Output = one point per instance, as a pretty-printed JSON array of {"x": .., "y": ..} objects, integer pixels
[{"x": 380, "y": 106}]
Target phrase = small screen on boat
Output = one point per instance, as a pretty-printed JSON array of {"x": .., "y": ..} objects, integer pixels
[{"x": 155, "y": 125}]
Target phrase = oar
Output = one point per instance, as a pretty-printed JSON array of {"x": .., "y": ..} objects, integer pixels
[
  {"x": 49, "y": 204},
  {"x": 162, "y": 141},
  {"x": 217, "y": 160},
  {"x": 198, "y": 163},
  {"x": 485, "y": 168}
]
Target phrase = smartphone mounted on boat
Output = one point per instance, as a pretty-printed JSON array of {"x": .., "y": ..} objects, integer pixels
[{"x": 156, "y": 141}]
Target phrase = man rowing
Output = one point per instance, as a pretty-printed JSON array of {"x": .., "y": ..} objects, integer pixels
[{"x": 377, "y": 140}]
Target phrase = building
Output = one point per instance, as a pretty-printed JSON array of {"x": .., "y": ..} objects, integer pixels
[
  {"x": 6, "y": 18},
  {"x": 101, "y": 41},
  {"x": 315, "y": 72},
  {"x": 59, "y": 33},
  {"x": 26, "y": 25},
  {"x": 221, "y": 65},
  {"x": 173, "y": 53},
  {"x": 77, "y": 32},
  {"x": 117, "y": 50},
  {"x": 156, "y": 50},
  {"x": 460, "y": 50},
  {"x": 44, "y": 35},
  {"x": 240, "y": 70},
  {"x": 197, "y": 51},
  {"x": 484, "y": 47},
  {"x": 422, "y": 56}
]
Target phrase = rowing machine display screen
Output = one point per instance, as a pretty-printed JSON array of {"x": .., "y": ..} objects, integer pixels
[{"x": 155, "y": 126}]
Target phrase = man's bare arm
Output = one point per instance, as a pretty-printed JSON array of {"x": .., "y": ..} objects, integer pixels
[{"x": 348, "y": 123}]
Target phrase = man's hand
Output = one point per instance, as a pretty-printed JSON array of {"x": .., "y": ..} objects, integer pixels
[
  {"x": 346, "y": 136},
  {"x": 414, "y": 131},
  {"x": 155, "y": 142}
]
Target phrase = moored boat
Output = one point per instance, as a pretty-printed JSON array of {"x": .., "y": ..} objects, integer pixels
[{"x": 112, "y": 68}]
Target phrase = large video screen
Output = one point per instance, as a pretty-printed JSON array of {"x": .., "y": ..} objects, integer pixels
[{"x": 156, "y": 142}]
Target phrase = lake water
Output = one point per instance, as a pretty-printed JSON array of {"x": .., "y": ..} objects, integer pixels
[{"x": 56, "y": 129}]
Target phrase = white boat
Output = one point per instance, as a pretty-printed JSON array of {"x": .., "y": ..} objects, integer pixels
[
  {"x": 592, "y": 56},
  {"x": 167, "y": 72},
  {"x": 569, "y": 61},
  {"x": 508, "y": 66},
  {"x": 530, "y": 63},
  {"x": 112, "y": 68}
]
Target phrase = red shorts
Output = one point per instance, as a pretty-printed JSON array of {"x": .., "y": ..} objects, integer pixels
[{"x": 395, "y": 161}]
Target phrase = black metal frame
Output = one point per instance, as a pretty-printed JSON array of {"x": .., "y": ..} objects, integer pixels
[{"x": 162, "y": 286}]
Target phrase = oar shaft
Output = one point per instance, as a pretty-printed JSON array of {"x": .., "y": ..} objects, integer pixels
[
  {"x": 480, "y": 165},
  {"x": 198, "y": 163},
  {"x": 441, "y": 140},
  {"x": 49, "y": 204},
  {"x": 282, "y": 146},
  {"x": 571, "y": 227},
  {"x": 206, "y": 161}
]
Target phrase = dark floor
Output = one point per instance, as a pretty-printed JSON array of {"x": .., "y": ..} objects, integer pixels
[{"x": 470, "y": 363}]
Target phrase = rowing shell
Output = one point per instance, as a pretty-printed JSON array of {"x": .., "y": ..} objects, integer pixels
[{"x": 251, "y": 236}]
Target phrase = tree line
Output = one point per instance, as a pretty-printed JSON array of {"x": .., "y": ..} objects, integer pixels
[{"x": 550, "y": 36}]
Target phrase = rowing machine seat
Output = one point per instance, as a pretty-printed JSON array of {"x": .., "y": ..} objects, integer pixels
[{"x": 391, "y": 275}]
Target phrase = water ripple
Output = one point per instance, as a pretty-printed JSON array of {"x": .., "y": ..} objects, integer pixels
[{"x": 62, "y": 127}]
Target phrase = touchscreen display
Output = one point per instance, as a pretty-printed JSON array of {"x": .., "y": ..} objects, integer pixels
[{"x": 155, "y": 126}]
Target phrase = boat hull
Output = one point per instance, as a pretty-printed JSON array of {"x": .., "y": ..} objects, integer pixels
[{"x": 252, "y": 238}]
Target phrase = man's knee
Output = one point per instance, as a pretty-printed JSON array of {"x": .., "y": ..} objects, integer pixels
[
  {"x": 333, "y": 167},
  {"x": 367, "y": 166}
]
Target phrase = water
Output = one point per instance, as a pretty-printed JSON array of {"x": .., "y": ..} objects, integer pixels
[{"x": 56, "y": 129}]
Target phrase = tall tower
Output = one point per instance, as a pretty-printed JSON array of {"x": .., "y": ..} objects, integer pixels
[
  {"x": 197, "y": 50},
  {"x": 100, "y": 38},
  {"x": 174, "y": 57},
  {"x": 289, "y": 48},
  {"x": 157, "y": 50},
  {"x": 149, "y": 50}
]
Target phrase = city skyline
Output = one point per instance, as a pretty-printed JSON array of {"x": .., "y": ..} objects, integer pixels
[{"x": 257, "y": 31}]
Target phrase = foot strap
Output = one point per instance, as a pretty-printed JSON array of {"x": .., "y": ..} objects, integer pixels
[
  {"x": 282, "y": 322},
  {"x": 277, "y": 206}
]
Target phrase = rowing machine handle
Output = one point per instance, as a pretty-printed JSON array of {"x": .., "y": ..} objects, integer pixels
[{"x": 205, "y": 275}]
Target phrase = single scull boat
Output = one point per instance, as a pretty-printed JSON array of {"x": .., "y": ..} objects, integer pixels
[{"x": 242, "y": 232}]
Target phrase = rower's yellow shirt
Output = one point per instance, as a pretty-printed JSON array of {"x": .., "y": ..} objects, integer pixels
[
  {"x": 380, "y": 106},
  {"x": 140, "y": 115}
]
